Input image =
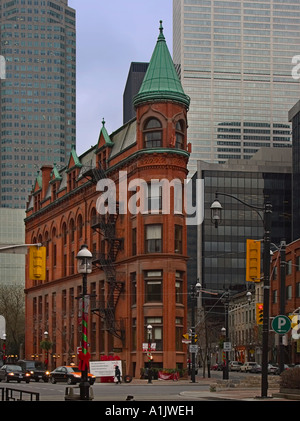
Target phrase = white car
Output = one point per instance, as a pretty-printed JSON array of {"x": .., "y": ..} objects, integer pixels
[
  {"x": 235, "y": 365},
  {"x": 250, "y": 367}
]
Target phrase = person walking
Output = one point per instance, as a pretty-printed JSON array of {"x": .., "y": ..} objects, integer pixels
[{"x": 117, "y": 374}]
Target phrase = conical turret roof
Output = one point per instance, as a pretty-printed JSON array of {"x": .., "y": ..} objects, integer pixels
[{"x": 161, "y": 81}]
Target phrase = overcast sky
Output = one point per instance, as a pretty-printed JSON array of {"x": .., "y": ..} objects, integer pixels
[{"x": 110, "y": 35}]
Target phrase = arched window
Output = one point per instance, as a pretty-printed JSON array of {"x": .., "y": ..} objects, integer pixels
[
  {"x": 179, "y": 135},
  {"x": 72, "y": 230},
  {"x": 64, "y": 234},
  {"x": 80, "y": 226},
  {"x": 153, "y": 133}
]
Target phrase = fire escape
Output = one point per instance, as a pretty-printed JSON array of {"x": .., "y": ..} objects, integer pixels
[{"x": 105, "y": 260}]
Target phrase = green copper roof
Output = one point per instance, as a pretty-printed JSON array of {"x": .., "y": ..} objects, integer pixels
[
  {"x": 103, "y": 131},
  {"x": 161, "y": 81},
  {"x": 55, "y": 174},
  {"x": 76, "y": 160}
]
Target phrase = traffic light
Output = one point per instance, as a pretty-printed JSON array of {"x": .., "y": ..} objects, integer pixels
[
  {"x": 253, "y": 260},
  {"x": 259, "y": 313},
  {"x": 37, "y": 263}
]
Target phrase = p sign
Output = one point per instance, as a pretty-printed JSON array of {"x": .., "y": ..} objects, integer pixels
[{"x": 281, "y": 324}]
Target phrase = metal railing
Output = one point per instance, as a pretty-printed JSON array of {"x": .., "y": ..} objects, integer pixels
[{"x": 9, "y": 394}]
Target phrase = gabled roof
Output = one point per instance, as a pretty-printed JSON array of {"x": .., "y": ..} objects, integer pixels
[
  {"x": 55, "y": 176},
  {"x": 161, "y": 81},
  {"x": 104, "y": 136},
  {"x": 74, "y": 161},
  {"x": 38, "y": 183}
]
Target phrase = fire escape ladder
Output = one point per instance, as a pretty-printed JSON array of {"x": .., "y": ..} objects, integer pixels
[{"x": 106, "y": 225}]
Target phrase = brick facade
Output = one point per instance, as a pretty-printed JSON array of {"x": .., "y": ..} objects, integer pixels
[{"x": 139, "y": 272}]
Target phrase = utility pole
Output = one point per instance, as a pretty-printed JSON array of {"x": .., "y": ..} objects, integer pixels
[{"x": 282, "y": 301}]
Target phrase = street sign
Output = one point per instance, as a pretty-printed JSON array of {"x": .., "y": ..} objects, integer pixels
[
  {"x": 281, "y": 324},
  {"x": 227, "y": 346},
  {"x": 193, "y": 349}
]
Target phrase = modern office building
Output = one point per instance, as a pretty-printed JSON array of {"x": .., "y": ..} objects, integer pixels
[
  {"x": 134, "y": 80},
  {"x": 38, "y": 92},
  {"x": 220, "y": 253},
  {"x": 12, "y": 232},
  {"x": 236, "y": 65},
  {"x": 294, "y": 118}
]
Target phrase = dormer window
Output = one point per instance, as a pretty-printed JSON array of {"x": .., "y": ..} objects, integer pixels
[
  {"x": 179, "y": 143},
  {"x": 153, "y": 133}
]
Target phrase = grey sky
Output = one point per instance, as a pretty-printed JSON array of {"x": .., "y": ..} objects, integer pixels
[{"x": 110, "y": 35}]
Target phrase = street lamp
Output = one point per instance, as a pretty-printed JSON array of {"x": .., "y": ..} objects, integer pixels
[
  {"x": 46, "y": 344},
  {"x": 4, "y": 348},
  {"x": 84, "y": 266},
  {"x": 149, "y": 330},
  {"x": 225, "y": 332},
  {"x": 216, "y": 218},
  {"x": 194, "y": 295}
]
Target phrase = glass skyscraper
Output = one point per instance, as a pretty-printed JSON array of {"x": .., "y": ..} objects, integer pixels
[
  {"x": 218, "y": 255},
  {"x": 38, "y": 92},
  {"x": 235, "y": 60}
]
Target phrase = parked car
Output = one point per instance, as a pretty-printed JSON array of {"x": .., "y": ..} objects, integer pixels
[
  {"x": 217, "y": 367},
  {"x": 272, "y": 368},
  {"x": 10, "y": 372},
  {"x": 251, "y": 367},
  {"x": 286, "y": 367},
  {"x": 36, "y": 369},
  {"x": 235, "y": 365},
  {"x": 69, "y": 374}
]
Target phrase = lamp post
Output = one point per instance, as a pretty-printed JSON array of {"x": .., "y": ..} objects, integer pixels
[
  {"x": 216, "y": 218},
  {"x": 84, "y": 266},
  {"x": 194, "y": 295},
  {"x": 149, "y": 330},
  {"x": 46, "y": 344},
  {"x": 4, "y": 348},
  {"x": 282, "y": 301},
  {"x": 225, "y": 331}
]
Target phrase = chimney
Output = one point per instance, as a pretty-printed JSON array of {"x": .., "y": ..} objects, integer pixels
[{"x": 46, "y": 176}]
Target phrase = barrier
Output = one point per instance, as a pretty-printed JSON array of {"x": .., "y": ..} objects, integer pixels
[
  {"x": 8, "y": 394},
  {"x": 71, "y": 395}
]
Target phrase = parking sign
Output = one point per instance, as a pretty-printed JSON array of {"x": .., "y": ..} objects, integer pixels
[{"x": 281, "y": 324}]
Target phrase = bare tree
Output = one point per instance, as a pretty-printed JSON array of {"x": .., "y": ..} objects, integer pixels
[{"x": 12, "y": 307}]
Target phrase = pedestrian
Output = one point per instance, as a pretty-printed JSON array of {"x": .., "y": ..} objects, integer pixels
[{"x": 117, "y": 375}]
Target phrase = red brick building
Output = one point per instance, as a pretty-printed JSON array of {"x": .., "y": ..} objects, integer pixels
[
  {"x": 139, "y": 258},
  {"x": 291, "y": 291}
]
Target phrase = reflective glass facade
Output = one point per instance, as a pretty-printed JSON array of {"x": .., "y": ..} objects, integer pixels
[
  {"x": 294, "y": 117},
  {"x": 236, "y": 65},
  {"x": 221, "y": 252},
  {"x": 38, "y": 93}
]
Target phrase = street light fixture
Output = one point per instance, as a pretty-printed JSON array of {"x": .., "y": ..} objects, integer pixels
[
  {"x": 149, "y": 330},
  {"x": 195, "y": 290},
  {"x": 216, "y": 218},
  {"x": 225, "y": 332},
  {"x": 84, "y": 266}
]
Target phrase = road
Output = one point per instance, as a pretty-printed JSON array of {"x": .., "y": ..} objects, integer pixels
[{"x": 141, "y": 391}]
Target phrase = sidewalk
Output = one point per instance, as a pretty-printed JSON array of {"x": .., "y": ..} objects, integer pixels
[{"x": 237, "y": 393}]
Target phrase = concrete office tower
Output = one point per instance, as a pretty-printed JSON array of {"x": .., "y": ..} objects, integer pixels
[
  {"x": 236, "y": 65},
  {"x": 38, "y": 92}
]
